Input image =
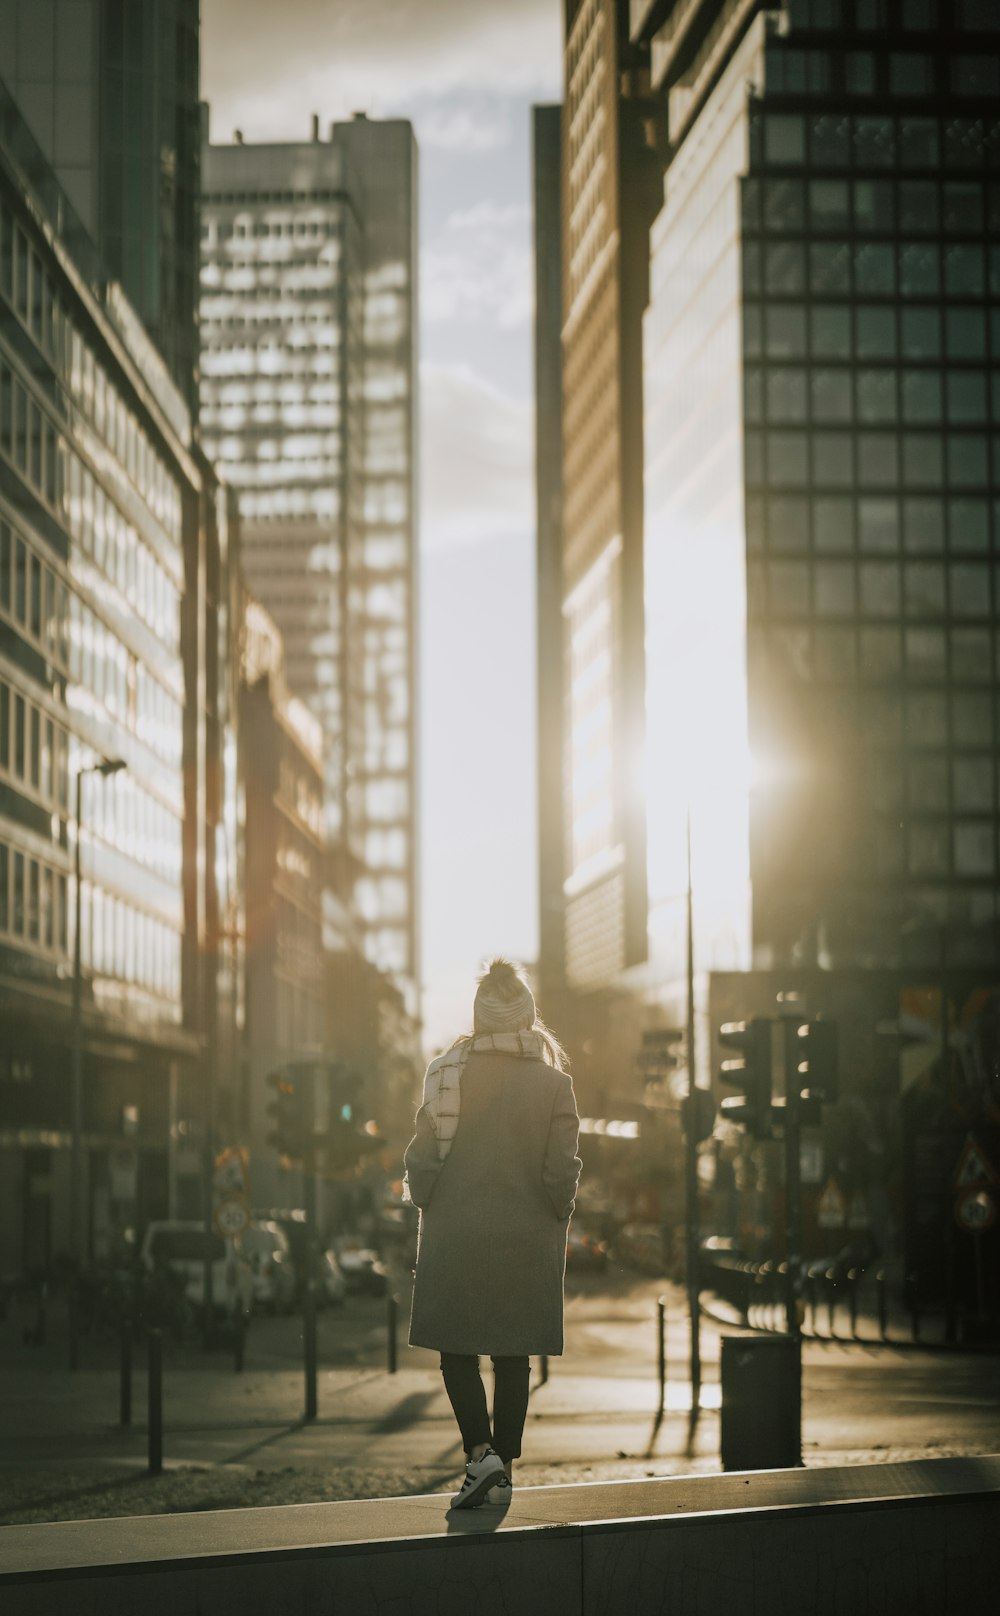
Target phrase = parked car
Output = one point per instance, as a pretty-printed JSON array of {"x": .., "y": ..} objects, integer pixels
[
  {"x": 585, "y": 1253},
  {"x": 269, "y": 1253},
  {"x": 640, "y": 1245},
  {"x": 332, "y": 1284},
  {"x": 361, "y": 1266},
  {"x": 181, "y": 1248}
]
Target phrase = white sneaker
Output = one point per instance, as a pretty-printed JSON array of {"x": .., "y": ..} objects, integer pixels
[
  {"x": 480, "y": 1476},
  {"x": 501, "y": 1492}
]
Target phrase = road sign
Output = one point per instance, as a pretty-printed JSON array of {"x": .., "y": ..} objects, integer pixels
[
  {"x": 831, "y": 1211},
  {"x": 974, "y": 1167},
  {"x": 976, "y": 1211},
  {"x": 231, "y": 1218}
]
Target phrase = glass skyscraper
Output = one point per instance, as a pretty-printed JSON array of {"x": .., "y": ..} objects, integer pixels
[
  {"x": 104, "y": 504},
  {"x": 308, "y": 318},
  {"x": 822, "y": 474},
  {"x": 109, "y": 90}
]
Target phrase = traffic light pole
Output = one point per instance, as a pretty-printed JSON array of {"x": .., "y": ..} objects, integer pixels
[
  {"x": 793, "y": 1179},
  {"x": 691, "y": 1159},
  {"x": 309, "y": 1295}
]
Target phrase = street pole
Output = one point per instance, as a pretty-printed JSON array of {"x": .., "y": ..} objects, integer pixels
[
  {"x": 76, "y": 1219},
  {"x": 309, "y": 1299},
  {"x": 793, "y": 1169},
  {"x": 691, "y": 1157}
]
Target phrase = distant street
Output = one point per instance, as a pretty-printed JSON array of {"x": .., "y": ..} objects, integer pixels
[{"x": 594, "y": 1418}]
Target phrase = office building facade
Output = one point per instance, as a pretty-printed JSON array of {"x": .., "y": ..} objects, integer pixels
[
  {"x": 606, "y": 197},
  {"x": 282, "y": 778},
  {"x": 822, "y": 470},
  {"x": 309, "y": 407},
  {"x": 104, "y": 499},
  {"x": 110, "y": 93}
]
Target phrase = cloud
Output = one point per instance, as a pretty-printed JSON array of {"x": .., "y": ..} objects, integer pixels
[
  {"x": 265, "y": 67},
  {"x": 476, "y": 460},
  {"x": 479, "y": 268},
  {"x": 453, "y": 127}
]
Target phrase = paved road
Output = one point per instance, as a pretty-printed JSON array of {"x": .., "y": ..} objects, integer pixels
[{"x": 595, "y": 1414}]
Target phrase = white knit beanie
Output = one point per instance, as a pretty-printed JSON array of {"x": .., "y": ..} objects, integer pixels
[{"x": 504, "y": 1001}]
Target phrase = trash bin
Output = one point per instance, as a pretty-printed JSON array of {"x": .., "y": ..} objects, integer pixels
[{"x": 761, "y": 1425}]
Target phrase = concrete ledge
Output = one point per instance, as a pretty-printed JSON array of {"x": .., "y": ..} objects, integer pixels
[{"x": 913, "y": 1538}]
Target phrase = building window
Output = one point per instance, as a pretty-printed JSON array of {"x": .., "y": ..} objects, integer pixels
[
  {"x": 921, "y": 333},
  {"x": 975, "y": 848},
  {"x": 833, "y": 459},
  {"x": 831, "y": 395},
  {"x": 922, "y": 403},
  {"x": 919, "y": 143},
  {"x": 976, "y": 75},
  {"x": 923, "y": 524},
  {"x": 784, "y": 138},
  {"x": 830, "y": 331},
  {"x": 834, "y": 588},
  {"x": 833, "y": 523},
  {"x": 911, "y": 73}
]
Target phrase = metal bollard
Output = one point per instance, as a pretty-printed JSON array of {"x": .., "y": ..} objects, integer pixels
[
  {"x": 309, "y": 1343},
  {"x": 155, "y": 1402},
  {"x": 831, "y": 1299},
  {"x": 661, "y": 1326},
  {"x": 125, "y": 1375},
  {"x": 392, "y": 1317},
  {"x": 880, "y": 1291},
  {"x": 852, "y": 1297}
]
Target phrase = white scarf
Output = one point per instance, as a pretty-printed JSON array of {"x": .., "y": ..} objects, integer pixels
[{"x": 442, "y": 1083}]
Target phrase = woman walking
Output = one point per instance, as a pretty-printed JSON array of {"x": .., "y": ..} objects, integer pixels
[{"x": 494, "y": 1170}]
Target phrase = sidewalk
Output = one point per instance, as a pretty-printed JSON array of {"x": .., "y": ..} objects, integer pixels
[{"x": 239, "y": 1440}]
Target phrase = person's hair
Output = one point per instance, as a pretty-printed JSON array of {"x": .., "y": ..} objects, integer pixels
[{"x": 507, "y": 983}]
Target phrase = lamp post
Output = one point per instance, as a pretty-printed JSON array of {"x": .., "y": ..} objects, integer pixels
[{"x": 105, "y": 767}]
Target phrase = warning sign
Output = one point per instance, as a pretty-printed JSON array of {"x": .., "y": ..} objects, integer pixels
[
  {"x": 974, "y": 1167},
  {"x": 831, "y": 1211}
]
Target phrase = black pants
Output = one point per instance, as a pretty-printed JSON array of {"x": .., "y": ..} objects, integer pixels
[{"x": 463, "y": 1383}]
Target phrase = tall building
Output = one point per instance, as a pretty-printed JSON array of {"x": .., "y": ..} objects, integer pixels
[
  {"x": 108, "y": 518},
  {"x": 285, "y": 969},
  {"x": 821, "y": 593},
  {"x": 308, "y": 404},
  {"x": 822, "y": 471},
  {"x": 606, "y": 198},
  {"x": 110, "y": 92}
]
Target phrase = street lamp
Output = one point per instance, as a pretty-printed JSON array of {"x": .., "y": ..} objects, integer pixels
[{"x": 105, "y": 767}]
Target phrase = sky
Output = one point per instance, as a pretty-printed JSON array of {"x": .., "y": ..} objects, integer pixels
[{"x": 466, "y": 72}]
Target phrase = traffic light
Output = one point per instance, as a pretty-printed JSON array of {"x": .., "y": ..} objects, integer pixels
[
  {"x": 751, "y": 1073},
  {"x": 817, "y": 1062},
  {"x": 659, "y": 1053},
  {"x": 288, "y": 1111}
]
